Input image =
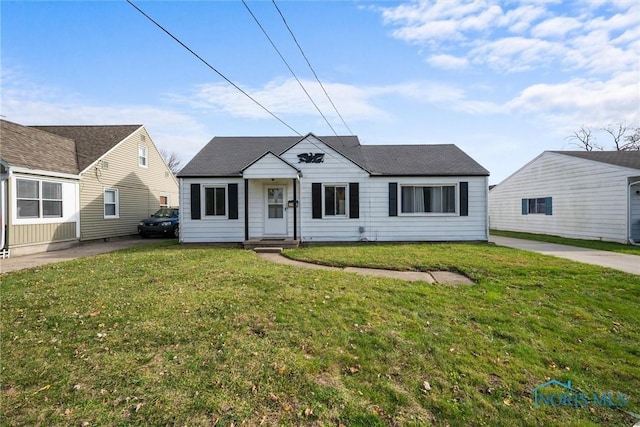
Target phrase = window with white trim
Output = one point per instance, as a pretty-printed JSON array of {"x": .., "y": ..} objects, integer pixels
[
  {"x": 215, "y": 201},
  {"x": 143, "y": 159},
  {"x": 38, "y": 199},
  {"x": 428, "y": 199},
  {"x": 164, "y": 201},
  {"x": 335, "y": 200},
  {"x": 111, "y": 203}
]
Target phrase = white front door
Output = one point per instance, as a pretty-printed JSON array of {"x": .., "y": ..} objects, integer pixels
[{"x": 275, "y": 221}]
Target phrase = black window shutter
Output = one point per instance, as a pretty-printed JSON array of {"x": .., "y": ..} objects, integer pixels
[
  {"x": 393, "y": 199},
  {"x": 354, "y": 200},
  {"x": 525, "y": 206},
  {"x": 195, "y": 201},
  {"x": 548, "y": 209},
  {"x": 464, "y": 198},
  {"x": 316, "y": 200},
  {"x": 233, "y": 201}
]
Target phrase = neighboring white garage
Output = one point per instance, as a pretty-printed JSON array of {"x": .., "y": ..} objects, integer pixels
[{"x": 577, "y": 194}]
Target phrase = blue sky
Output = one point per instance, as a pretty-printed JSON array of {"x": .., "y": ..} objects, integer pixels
[{"x": 504, "y": 80}]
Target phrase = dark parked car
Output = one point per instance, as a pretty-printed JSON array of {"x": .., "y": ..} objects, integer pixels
[{"x": 164, "y": 222}]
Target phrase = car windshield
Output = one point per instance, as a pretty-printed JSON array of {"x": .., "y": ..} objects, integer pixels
[{"x": 164, "y": 213}]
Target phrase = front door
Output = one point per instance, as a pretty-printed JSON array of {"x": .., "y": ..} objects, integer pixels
[{"x": 275, "y": 221}]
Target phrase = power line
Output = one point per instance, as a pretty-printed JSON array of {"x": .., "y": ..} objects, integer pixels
[
  {"x": 310, "y": 67},
  {"x": 288, "y": 66},
  {"x": 212, "y": 67}
]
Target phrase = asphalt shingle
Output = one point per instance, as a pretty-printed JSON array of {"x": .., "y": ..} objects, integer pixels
[
  {"x": 92, "y": 142},
  {"x": 23, "y": 146},
  {"x": 227, "y": 156},
  {"x": 629, "y": 159}
]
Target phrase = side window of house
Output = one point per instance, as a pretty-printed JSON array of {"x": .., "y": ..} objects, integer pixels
[
  {"x": 432, "y": 199},
  {"x": 539, "y": 205},
  {"x": 164, "y": 201},
  {"x": 38, "y": 199},
  {"x": 215, "y": 201},
  {"x": 111, "y": 203},
  {"x": 143, "y": 159},
  {"x": 51, "y": 199},
  {"x": 335, "y": 200}
]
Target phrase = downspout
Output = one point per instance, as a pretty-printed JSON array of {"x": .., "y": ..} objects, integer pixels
[{"x": 629, "y": 225}]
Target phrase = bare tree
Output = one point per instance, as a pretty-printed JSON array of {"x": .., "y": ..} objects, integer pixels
[
  {"x": 632, "y": 141},
  {"x": 583, "y": 138},
  {"x": 617, "y": 134},
  {"x": 172, "y": 160},
  {"x": 620, "y": 135}
]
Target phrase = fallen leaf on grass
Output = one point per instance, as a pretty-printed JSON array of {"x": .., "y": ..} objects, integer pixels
[
  {"x": 353, "y": 369},
  {"x": 308, "y": 412},
  {"x": 94, "y": 314},
  {"x": 507, "y": 402},
  {"x": 426, "y": 386},
  {"x": 47, "y": 387}
]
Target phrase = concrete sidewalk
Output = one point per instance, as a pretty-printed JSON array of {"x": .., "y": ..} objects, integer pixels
[
  {"x": 615, "y": 260},
  {"x": 82, "y": 250},
  {"x": 439, "y": 277}
]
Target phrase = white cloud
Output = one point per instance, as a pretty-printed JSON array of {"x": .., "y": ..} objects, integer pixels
[
  {"x": 555, "y": 27},
  {"x": 594, "y": 37},
  {"x": 513, "y": 54},
  {"x": 447, "y": 62},
  {"x": 29, "y": 104},
  {"x": 581, "y": 100},
  {"x": 285, "y": 97}
]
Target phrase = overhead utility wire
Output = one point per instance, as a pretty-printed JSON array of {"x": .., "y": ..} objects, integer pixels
[
  {"x": 288, "y": 66},
  {"x": 310, "y": 67},
  {"x": 212, "y": 67}
]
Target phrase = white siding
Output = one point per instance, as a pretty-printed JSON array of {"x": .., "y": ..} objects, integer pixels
[
  {"x": 589, "y": 198},
  {"x": 334, "y": 170},
  {"x": 210, "y": 229},
  {"x": 427, "y": 227},
  {"x": 269, "y": 166},
  {"x": 374, "y": 222}
]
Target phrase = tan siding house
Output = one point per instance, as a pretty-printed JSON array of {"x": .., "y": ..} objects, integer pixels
[{"x": 111, "y": 177}]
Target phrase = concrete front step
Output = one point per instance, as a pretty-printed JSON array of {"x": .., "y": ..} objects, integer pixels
[{"x": 271, "y": 243}]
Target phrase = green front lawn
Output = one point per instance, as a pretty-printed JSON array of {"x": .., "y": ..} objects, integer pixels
[
  {"x": 591, "y": 244},
  {"x": 166, "y": 334}
]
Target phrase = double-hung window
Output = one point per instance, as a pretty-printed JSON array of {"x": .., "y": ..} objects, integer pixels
[
  {"x": 111, "y": 203},
  {"x": 335, "y": 200},
  {"x": 428, "y": 199},
  {"x": 143, "y": 158},
  {"x": 38, "y": 199},
  {"x": 215, "y": 201}
]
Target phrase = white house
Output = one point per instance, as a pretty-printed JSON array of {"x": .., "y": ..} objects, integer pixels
[
  {"x": 591, "y": 195},
  {"x": 331, "y": 189}
]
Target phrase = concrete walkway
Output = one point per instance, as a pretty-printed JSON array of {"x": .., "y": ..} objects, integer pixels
[
  {"x": 82, "y": 250},
  {"x": 623, "y": 262},
  {"x": 440, "y": 277}
]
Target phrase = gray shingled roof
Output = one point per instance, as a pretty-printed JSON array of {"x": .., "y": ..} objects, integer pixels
[
  {"x": 23, "y": 146},
  {"x": 227, "y": 156},
  {"x": 92, "y": 142},
  {"x": 421, "y": 160},
  {"x": 628, "y": 159}
]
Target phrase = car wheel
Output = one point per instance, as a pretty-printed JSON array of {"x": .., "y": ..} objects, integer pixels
[{"x": 176, "y": 231}]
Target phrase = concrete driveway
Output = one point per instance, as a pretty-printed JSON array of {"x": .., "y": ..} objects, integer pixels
[
  {"x": 82, "y": 250},
  {"x": 622, "y": 262}
]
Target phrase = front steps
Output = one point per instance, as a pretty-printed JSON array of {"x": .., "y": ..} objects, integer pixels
[{"x": 270, "y": 245}]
